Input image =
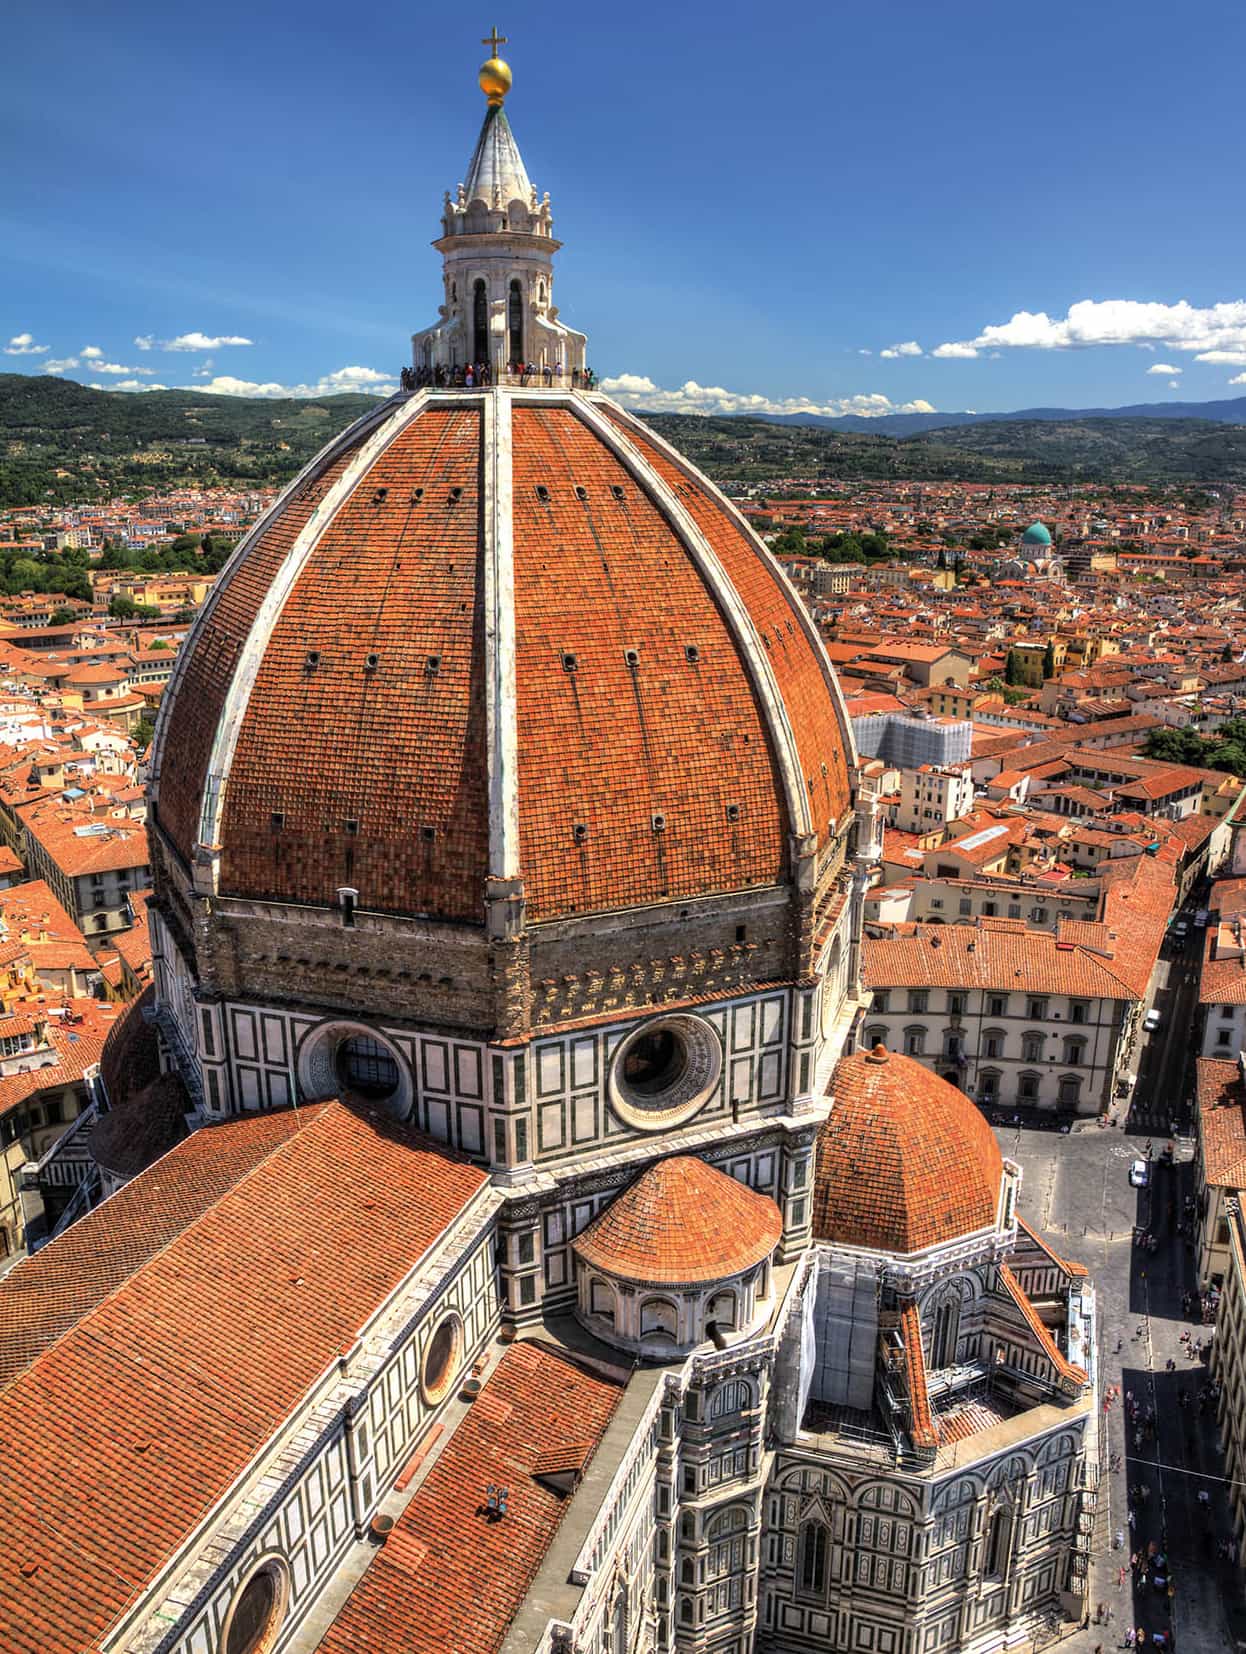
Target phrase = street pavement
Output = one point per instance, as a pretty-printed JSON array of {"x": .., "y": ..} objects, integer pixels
[{"x": 1076, "y": 1191}]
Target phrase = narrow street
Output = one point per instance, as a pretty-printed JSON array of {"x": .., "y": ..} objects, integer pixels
[{"x": 1077, "y": 1191}]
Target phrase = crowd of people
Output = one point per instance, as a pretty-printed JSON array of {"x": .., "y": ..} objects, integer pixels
[{"x": 471, "y": 375}]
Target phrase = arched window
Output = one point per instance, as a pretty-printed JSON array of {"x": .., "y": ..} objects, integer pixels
[
  {"x": 1032, "y": 1047},
  {"x": 993, "y": 1042},
  {"x": 514, "y": 322},
  {"x": 998, "y": 1537},
  {"x": 601, "y": 1299},
  {"x": 480, "y": 323},
  {"x": 1070, "y": 1090},
  {"x": 988, "y": 1084},
  {"x": 660, "y": 1318},
  {"x": 367, "y": 1068},
  {"x": 722, "y": 1311},
  {"x": 875, "y": 1036},
  {"x": 915, "y": 1041},
  {"x": 944, "y": 1332},
  {"x": 813, "y": 1545}
]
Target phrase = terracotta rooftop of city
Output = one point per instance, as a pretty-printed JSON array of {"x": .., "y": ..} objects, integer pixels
[
  {"x": 682, "y": 1221},
  {"x": 905, "y": 1160}
]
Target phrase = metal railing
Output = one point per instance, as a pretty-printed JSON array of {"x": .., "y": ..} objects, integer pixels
[{"x": 529, "y": 377}]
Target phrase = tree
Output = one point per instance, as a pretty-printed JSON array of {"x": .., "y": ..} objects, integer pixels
[
  {"x": 941, "y": 562},
  {"x": 62, "y": 617},
  {"x": 1049, "y": 662},
  {"x": 143, "y": 732},
  {"x": 122, "y": 607},
  {"x": 1012, "y": 669}
]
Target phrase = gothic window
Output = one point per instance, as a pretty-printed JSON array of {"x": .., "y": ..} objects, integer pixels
[
  {"x": 514, "y": 322},
  {"x": 480, "y": 323},
  {"x": 813, "y": 1540},
  {"x": 944, "y": 1334},
  {"x": 998, "y": 1535}
]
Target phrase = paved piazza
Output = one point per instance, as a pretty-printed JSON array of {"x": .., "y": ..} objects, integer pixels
[{"x": 1077, "y": 1190}]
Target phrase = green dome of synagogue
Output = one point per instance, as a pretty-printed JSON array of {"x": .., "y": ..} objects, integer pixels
[{"x": 1036, "y": 535}]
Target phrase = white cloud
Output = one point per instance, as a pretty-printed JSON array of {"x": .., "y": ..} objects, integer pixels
[
  {"x": 865, "y": 353},
  {"x": 367, "y": 380},
  {"x": 204, "y": 370},
  {"x": 62, "y": 365},
  {"x": 635, "y": 390},
  {"x": 1238, "y": 379},
  {"x": 909, "y": 348},
  {"x": 23, "y": 344},
  {"x": 90, "y": 353},
  {"x": 1174, "y": 384},
  {"x": 964, "y": 352},
  {"x": 1164, "y": 368},
  {"x": 1205, "y": 329},
  {"x": 116, "y": 367},
  {"x": 1223, "y": 358},
  {"x": 132, "y": 385},
  {"x": 191, "y": 341}
]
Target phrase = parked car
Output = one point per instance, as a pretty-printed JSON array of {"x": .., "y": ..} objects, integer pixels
[
  {"x": 1151, "y": 1021},
  {"x": 1181, "y": 929},
  {"x": 1139, "y": 1174}
]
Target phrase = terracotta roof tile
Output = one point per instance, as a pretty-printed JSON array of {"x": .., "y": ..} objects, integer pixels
[
  {"x": 682, "y": 1221},
  {"x": 449, "y": 1580},
  {"x": 905, "y": 1160},
  {"x": 194, "y": 1277}
]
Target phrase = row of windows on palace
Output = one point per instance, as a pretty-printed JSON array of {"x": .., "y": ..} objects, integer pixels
[
  {"x": 992, "y": 1044},
  {"x": 990, "y": 910},
  {"x": 1038, "y": 1007}
]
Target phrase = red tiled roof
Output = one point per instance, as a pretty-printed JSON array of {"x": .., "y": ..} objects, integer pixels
[
  {"x": 682, "y": 1221},
  {"x": 1221, "y": 1122},
  {"x": 194, "y": 1278},
  {"x": 449, "y": 1580},
  {"x": 1064, "y": 1367},
  {"x": 921, "y": 1426},
  {"x": 905, "y": 1160}
]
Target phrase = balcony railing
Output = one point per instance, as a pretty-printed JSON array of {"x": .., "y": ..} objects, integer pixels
[{"x": 481, "y": 376}]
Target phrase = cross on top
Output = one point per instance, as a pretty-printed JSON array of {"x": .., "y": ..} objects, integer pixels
[{"x": 493, "y": 40}]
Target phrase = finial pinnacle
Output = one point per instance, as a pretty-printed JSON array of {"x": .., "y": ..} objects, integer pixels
[{"x": 495, "y": 75}]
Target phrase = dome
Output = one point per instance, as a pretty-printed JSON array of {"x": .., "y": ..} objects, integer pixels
[
  {"x": 679, "y": 1223},
  {"x": 905, "y": 1160},
  {"x": 1036, "y": 535},
  {"x": 501, "y": 636}
]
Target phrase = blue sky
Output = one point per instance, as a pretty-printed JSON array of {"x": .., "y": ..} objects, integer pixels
[{"x": 756, "y": 202}]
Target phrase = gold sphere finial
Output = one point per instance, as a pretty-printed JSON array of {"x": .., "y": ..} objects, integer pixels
[{"x": 495, "y": 75}]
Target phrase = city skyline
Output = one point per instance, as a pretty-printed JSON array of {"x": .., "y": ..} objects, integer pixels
[{"x": 1063, "y": 239}]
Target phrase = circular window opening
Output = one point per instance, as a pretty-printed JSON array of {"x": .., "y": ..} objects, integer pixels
[
  {"x": 654, "y": 1062},
  {"x": 664, "y": 1072},
  {"x": 257, "y": 1611},
  {"x": 441, "y": 1360},
  {"x": 366, "y": 1068}
]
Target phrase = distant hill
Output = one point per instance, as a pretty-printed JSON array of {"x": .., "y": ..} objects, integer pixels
[
  {"x": 64, "y": 441},
  {"x": 60, "y": 441},
  {"x": 1229, "y": 412}
]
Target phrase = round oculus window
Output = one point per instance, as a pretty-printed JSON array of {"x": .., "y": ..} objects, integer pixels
[
  {"x": 441, "y": 1360},
  {"x": 256, "y": 1613},
  {"x": 664, "y": 1072},
  {"x": 349, "y": 1060}
]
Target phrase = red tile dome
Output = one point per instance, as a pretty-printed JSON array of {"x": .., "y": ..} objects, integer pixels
[
  {"x": 905, "y": 1161},
  {"x": 679, "y": 1223},
  {"x": 504, "y": 635}
]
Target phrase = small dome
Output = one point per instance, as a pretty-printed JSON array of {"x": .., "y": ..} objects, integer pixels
[
  {"x": 905, "y": 1161},
  {"x": 1036, "y": 535},
  {"x": 680, "y": 1222}
]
